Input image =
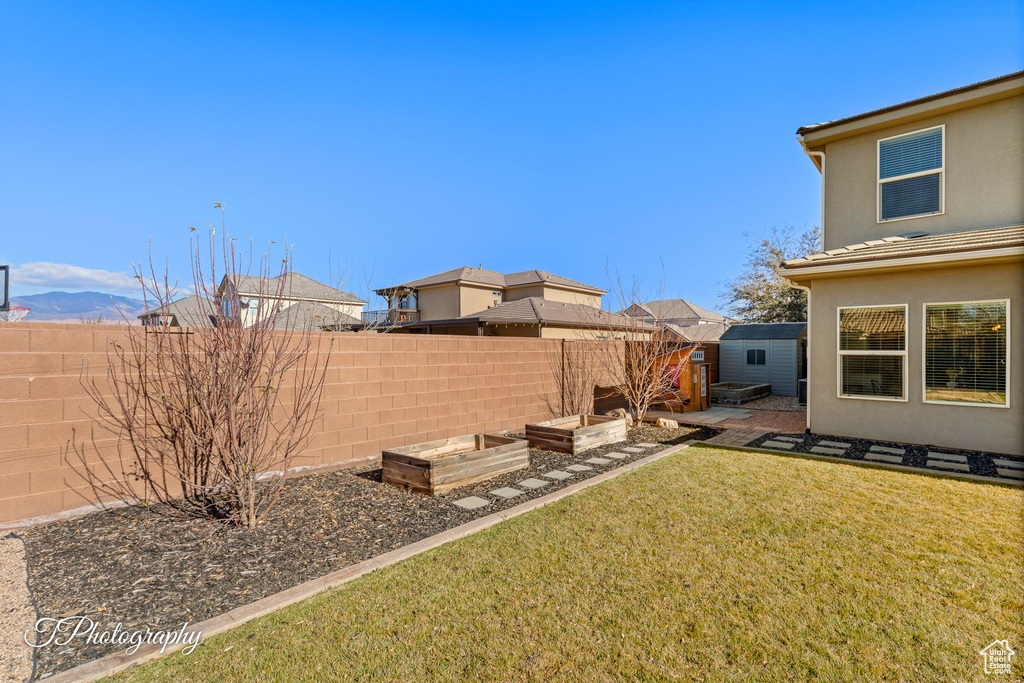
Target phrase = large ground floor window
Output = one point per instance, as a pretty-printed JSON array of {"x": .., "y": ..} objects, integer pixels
[
  {"x": 965, "y": 352},
  {"x": 873, "y": 352}
]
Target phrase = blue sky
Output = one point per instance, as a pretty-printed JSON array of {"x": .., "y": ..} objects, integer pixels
[{"x": 400, "y": 139}]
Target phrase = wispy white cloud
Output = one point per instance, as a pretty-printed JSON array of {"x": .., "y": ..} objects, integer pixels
[{"x": 66, "y": 276}]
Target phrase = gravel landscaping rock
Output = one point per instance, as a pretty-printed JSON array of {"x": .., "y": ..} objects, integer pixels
[
  {"x": 17, "y": 615},
  {"x": 142, "y": 567},
  {"x": 974, "y": 462}
]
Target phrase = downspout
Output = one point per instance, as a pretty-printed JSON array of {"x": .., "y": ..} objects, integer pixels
[{"x": 809, "y": 351}]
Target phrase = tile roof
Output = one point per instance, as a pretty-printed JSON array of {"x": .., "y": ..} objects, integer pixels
[
  {"x": 765, "y": 331},
  {"x": 902, "y": 247},
  {"x": 679, "y": 309},
  {"x": 920, "y": 100},
  {"x": 708, "y": 332},
  {"x": 190, "y": 311},
  {"x": 295, "y": 286},
  {"x": 312, "y": 315},
  {"x": 535, "y": 309},
  {"x": 493, "y": 279}
]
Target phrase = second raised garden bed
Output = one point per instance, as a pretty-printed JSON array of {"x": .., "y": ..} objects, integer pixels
[
  {"x": 577, "y": 433},
  {"x": 438, "y": 466}
]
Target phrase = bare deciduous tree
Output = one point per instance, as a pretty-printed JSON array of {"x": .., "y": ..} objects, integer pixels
[
  {"x": 576, "y": 368},
  {"x": 216, "y": 412},
  {"x": 760, "y": 294},
  {"x": 636, "y": 366}
]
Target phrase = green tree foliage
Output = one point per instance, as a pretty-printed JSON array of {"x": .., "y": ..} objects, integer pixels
[{"x": 760, "y": 294}]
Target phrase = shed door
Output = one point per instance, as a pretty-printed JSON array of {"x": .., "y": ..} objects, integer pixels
[{"x": 756, "y": 361}]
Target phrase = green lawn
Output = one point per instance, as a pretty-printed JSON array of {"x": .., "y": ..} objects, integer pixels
[{"x": 710, "y": 565}]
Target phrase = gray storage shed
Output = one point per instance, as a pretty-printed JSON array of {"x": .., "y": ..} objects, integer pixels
[{"x": 764, "y": 353}]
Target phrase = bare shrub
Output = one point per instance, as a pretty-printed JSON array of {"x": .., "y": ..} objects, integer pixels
[
  {"x": 215, "y": 412},
  {"x": 576, "y": 368}
]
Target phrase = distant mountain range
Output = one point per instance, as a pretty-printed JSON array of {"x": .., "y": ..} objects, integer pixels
[{"x": 74, "y": 306}]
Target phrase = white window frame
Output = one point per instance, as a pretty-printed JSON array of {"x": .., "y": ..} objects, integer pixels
[
  {"x": 924, "y": 356},
  {"x": 941, "y": 170},
  {"x": 840, "y": 353}
]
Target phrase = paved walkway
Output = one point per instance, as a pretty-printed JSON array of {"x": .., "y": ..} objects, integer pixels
[
  {"x": 736, "y": 437},
  {"x": 576, "y": 469}
]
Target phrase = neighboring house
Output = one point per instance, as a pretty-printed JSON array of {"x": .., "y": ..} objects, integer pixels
[
  {"x": 764, "y": 353},
  {"x": 475, "y": 301},
  {"x": 912, "y": 305},
  {"x": 685, "y": 320},
  {"x": 294, "y": 300}
]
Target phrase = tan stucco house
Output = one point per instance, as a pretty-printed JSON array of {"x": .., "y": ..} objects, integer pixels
[
  {"x": 294, "y": 300},
  {"x": 914, "y": 302},
  {"x": 482, "y": 302}
]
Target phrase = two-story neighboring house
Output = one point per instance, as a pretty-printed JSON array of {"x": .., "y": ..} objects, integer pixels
[
  {"x": 294, "y": 300},
  {"x": 684, "y": 319},
  {"x": 476, "y": 301},
  {"x": 914, "y": 303}
]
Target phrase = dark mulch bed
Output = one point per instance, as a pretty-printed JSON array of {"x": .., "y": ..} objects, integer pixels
[
  {"x": 141, "y": 567},
  {"x": 916, "y": 456}
]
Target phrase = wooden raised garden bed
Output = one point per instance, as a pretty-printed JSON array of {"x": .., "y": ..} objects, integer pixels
[
  {"x": 576, "y": 433},
  {"x": 437, "y": 466}
]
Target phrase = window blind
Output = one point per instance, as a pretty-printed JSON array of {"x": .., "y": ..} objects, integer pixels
[
  {"x": 966, "y": 352},
  {"x": 911, "y": 153},
  {"x": 911, "y": 197},
  {"x": 872, "y": 351}
]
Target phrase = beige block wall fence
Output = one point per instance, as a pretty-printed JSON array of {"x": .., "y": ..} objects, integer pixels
[{"x": 382, "y": 391}]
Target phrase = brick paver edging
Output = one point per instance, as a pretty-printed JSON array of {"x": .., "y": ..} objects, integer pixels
[
  {"x": 111, "y": 664},
  {"x": 866, "y": 463}
]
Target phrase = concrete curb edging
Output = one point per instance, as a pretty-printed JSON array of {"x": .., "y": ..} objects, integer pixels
[
  {"x": 978, "y": 478},
  {"x": 119, "y": 661}
]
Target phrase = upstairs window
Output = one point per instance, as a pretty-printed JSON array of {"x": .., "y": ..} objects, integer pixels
[{"x": 910, "y": 175}]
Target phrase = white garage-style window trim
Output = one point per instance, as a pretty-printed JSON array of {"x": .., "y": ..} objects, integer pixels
[
  {"x": 912, "y": 175},
  {"x": 871, "y": 361},
  {"x": 966, "y": 353}
]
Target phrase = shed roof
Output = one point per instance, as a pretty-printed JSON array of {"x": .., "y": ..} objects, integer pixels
[{"x": 765, "y": 331}]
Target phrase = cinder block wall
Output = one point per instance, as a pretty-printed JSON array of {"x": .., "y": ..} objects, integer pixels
[{"x": 382, "y": 391}]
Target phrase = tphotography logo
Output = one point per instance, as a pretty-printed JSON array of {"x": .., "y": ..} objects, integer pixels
[{"x": 51, "y": 631}]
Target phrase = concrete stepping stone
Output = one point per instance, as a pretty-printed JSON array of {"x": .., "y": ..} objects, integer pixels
[
  {"x": 1010, "y": 474},
  {"x": 630, "y": 449},
  {"x": 785, "y": 445},
  {"x": 952, "y": 457},
  {"x": 821, "y": 450},
  {"x": 890, "y": 451},
  {"x": 647, "y": 445},
  {"x": 1011, "y": 464},
  {"x": 884, "y": 457},
  {"x": 794, "y": 439},
  {"x": 834, "y": 444},
  {"x": 598, "y": 461},
  {"x": 472, "y": 503},
  {"x": 579, "y": 468},
  {"x": 506, "y": 492},
  {"x": 617, "y": 456},
  {"x": 535, "y": 483},
  {"x": 557, "y": 474},
  {"x": 943, "y": 465}
]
